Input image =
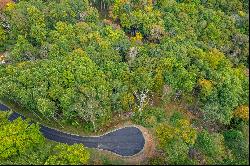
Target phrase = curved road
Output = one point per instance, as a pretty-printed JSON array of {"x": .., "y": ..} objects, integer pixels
[{"x": 127, "y": 141}]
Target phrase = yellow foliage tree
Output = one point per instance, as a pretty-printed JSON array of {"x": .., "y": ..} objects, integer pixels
[
  {"x": 214, "y": 58},
  {"x": 10, "y": 6},
  {"x": 137, "y": 38},
  {"x": 242, "y": 112},
  {"x": 187, "y": 133},
  {"x": 183, "y": 130},
  {"x": 159, "y": 81},
  {"x": 206, "y": 86}
]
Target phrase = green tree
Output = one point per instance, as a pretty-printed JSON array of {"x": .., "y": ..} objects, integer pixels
[
  {"x": 18, "y": 138},
  {"x": 51, "y": 88},
  {"x": 3, "y": 39},
  {"x": 71, "y": 155},
  {"x": 22, "y": 51},
  {"x": 176, "y": 152},
  {"x": 137, "y": 16},
  {"x": 22, "y": 143},
  {"x": 175, "y": 140}
]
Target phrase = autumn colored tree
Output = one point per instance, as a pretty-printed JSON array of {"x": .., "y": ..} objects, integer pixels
[
  {"x": 65, "y": 63},
  {"x": 138, "y": 16},
  {"x": 3, "y": 3},
  {"x": 242, "y": 112},
  {"x": 175, "y": 140}
]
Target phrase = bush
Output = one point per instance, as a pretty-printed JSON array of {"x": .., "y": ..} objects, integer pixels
[
  {"x": 64, "y": 154},
  {"x": 157, "y": 160},
  {"x": 238, "y": 144},
  {"x": 242, "y": 112},
  {"x": 176, "y": 117},
  {"x": 177, "y": 152},
  {"x": 149, "y": 117},
  {"x": 212, "y": 145},
  {"x": 175, "y": 140},
  {"x": 18, "y": 138},
  {"x": 182, "y": 130},
  {"x": 237, "y": 124}
]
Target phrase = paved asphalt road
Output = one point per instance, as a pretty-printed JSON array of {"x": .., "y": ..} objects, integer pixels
[{"x": 127, "y": 141}]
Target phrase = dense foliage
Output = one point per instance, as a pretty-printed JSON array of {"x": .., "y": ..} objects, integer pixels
[
  {"x": 237, "y": 142},
  {"x": 72, "y": 155},
  {"x": 212, "y": 145},
  {"x": 175, "y": 140},
  {"x": 18, "y": 138},
  {"x": 22, "y": 143},
  {"x": 64, "y": 61},
  {"x": 51, "y": 86}
]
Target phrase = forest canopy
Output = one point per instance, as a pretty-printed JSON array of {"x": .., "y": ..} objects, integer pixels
[
  {"x": 62, "y": 59},
  {"x": 62, "y": 56}
]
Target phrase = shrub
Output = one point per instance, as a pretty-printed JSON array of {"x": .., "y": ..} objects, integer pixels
[
  {"x": 175, "y": 140},
  {"x": 176, "y": 152},
  {"x": 149, "y": 117},
  {"x": 182, "y": 129},
  {"x": 175, "y": 117},
  {"x": 242, "y": 112},
  {"x": 64, "y": 154},
  {"x": 238, "y": 144},
  {"x": 18, "y": 138},
  {"x": 212, "y": 145}
]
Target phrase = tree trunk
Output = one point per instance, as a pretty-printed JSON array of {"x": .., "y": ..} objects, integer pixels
[
  {"x": 142, "y": 96},
  {"x": 93, "y": 122}
]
